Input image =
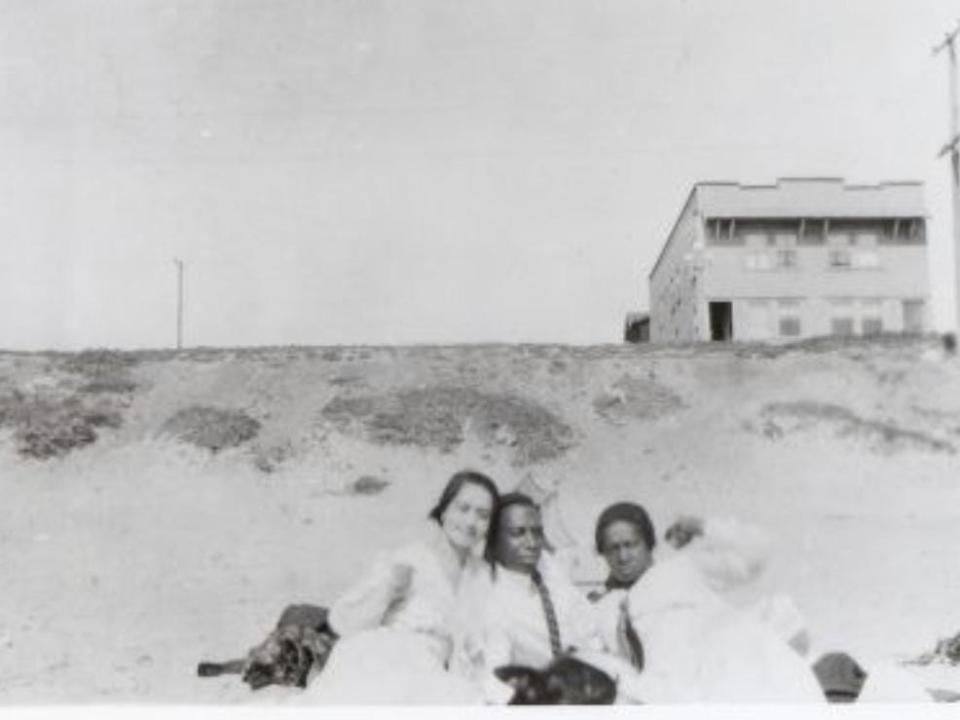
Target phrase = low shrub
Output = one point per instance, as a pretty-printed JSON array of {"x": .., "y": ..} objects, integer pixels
[
  {"x": 212, "y": 428},
  {"x": 367, "y": 485},
  {"x": 436, "y": 416}
]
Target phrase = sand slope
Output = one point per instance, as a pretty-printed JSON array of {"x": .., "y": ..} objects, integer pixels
[{"x": 130, "y": 557}]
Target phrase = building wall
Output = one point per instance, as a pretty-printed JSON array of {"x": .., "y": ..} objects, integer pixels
[
  {"x": 902, "y": 273},
  {"x": 802, "y": 257},
  {"x": 761, "y": 318},
  {"x": 675, "y": 303},
  {"x": 811, "y": 293}
]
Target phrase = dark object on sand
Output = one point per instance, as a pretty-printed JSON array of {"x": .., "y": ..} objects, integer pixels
[
  {"x": 947, "y": 650},
  {"x": 297, "y": 647},
  {"x": 949, "y": 343},
  {"x": 566, "y": 681},
  {"x": 840, "y": 676}
]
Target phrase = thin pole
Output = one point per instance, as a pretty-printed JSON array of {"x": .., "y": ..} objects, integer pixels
[
  {"x": 949, "y": 42},
  {"x": 179, "y": 264}
]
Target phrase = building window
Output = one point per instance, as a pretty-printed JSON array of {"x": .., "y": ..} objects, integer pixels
[
  {"x": 786, "y": 258},
  {"x": 842, "y": 326},
  {"x": 757, "y": 261},
  {"x": 720, "y": 231},
  {"x": 839, "y": 258},
  {"x": 813, "y": 232},
  {"x": 913, "y": 316},
  {"x": 909, "y": 231},
  {"x": 871, "y": 325},
  {"x": 789, "y": 326},
  {"x": 866, "y": 259},
  {"x": 785, "y": 238}
]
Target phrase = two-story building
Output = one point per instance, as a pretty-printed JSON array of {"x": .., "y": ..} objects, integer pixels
[{"x": 803, "y": 257}]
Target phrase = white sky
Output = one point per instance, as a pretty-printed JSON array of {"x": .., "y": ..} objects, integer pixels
[{"x": 407, "y": 171}]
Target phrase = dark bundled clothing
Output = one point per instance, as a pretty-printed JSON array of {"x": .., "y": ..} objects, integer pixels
[
  {"x": 297, "y": 647},
  {"x": 840, "y": 676},
  {"x": 566, "y": 681}
]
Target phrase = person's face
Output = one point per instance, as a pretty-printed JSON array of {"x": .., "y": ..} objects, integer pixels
[
  {"x": 625, "y": 552},
  {"x": 519, "y": 541},
  {"x": 467, "y": 517}
]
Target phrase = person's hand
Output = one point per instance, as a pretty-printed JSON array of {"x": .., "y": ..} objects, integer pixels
[{"x": 684, "y": 529}]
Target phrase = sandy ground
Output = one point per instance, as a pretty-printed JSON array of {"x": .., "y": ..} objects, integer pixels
[{"x": 127, "y": 561}]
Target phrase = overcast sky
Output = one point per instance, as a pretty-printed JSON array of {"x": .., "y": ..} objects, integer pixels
[{"x": 422, "y": 171}]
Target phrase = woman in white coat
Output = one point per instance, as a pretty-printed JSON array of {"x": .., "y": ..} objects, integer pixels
[
  {"x": 690, "y": 645},
  {"x": 405, "y": 626}
]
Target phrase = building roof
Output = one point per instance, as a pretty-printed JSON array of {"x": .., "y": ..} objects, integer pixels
[{"x": 811, "y": 198}]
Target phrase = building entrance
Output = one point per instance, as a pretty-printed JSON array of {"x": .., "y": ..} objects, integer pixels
[{"x": 721, "y": 321}]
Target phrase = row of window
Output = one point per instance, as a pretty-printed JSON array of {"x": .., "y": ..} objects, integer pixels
[
  {"x": 790, "y": 326},
  {"x": 838, "y": 258},
  {"x": 851, "y": 232},
  {"x": 848, "y": 315}
]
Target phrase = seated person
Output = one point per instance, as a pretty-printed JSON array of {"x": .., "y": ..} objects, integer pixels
[
  {"x": 402, "y": 624},
  {"x": 534, "y": 614},
  {"x": 665, "y": 619}
]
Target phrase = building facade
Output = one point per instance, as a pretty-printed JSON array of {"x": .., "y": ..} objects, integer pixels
[{"x": 801, "y": 258}]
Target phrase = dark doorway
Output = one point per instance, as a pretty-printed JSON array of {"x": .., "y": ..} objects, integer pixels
[{"x": 721, "y": 321}]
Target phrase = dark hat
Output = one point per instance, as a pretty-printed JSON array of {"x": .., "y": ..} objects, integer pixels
[
  {"x": 627, "y": 512},
  {"x": 840, "y": 676}
]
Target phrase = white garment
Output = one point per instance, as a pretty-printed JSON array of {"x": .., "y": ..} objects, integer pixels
[
  {"x": 515, "y": 626},
  {"x": 404, "y": 631},
  {"x": 700, "y": 649},
  {"x": 731, "y": 554},
  {"x": 608, "y": 619}
]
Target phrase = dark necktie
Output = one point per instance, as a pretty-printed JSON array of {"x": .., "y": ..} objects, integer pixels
[
  {"x": 553, "y": 627},
  {"x": 628, "y": 637}
]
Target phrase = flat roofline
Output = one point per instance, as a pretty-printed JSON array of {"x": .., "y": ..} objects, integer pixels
[
  {"x": 811, "y": 179},
  {"x": 727, "y": 215}
]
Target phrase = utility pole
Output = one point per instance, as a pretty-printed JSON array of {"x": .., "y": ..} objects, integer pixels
[
  {"x": 949, "y": 42},
  {"x": 179, "y": 264}
]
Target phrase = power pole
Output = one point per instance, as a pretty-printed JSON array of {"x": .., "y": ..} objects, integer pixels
[
  {"x": 949, "y": 42},
  {"x": 179, "y": 264}
]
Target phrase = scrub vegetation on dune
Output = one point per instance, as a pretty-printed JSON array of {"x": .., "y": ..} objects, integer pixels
[
  {"x": 318, "y": 459},
  {"x": 212, "y": 428},
  {"x": 881, "y": 434},
  {"x": 367, "y": 485},
  {"x": 635, "y": 398},
  {"x": 46, "y": 425},
  {"x": 99, "y": 364},
  {"x": 436, "y": 417},
  {"x": 83, "y": 394}
]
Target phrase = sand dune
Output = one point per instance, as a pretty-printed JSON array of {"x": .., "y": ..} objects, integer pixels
[{"x": 161, "y": 508}]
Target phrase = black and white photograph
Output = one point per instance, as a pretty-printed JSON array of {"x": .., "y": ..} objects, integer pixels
[{"x": 475, "y": 353}]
